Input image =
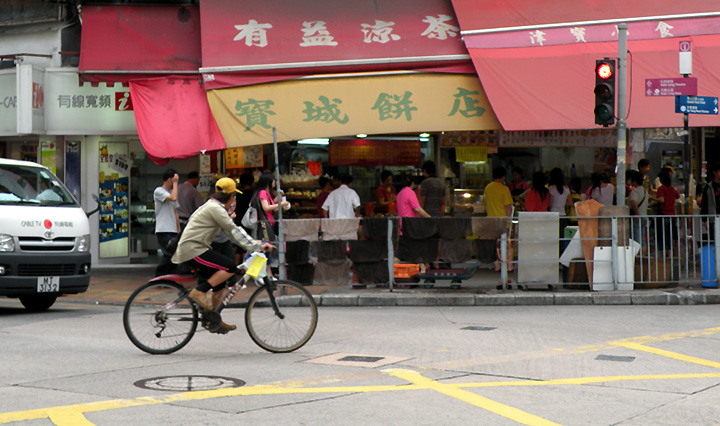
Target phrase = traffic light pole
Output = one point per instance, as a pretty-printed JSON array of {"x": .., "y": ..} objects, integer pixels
[{"x": 621, "y": 114}]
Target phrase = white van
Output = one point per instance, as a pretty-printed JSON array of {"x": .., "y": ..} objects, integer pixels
[{"x": 44, "y": 236}]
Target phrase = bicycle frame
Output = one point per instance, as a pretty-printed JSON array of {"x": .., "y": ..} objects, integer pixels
[{"x": 241, "y": 284}]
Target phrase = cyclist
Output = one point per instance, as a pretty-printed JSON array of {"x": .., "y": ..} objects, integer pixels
[{"x": 194, "y": 246}]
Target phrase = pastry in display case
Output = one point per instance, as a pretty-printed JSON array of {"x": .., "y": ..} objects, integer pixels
[{"x": 468, "y": 202}]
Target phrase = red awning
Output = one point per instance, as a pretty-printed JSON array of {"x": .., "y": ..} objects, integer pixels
[
  {"x": 122, "y": 43},
  {"x": 173, "y": 118},
  {"x": 246, "y": 42},
  {"x": 493, "y": 15},
  {"x": 542, "y": 77}
]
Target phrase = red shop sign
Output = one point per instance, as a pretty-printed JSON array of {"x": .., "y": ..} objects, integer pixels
[{"x": 373, "y": 152}]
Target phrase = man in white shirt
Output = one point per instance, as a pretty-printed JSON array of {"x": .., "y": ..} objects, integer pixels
[
  {"x": 167, "y": 224},
  {"x": 343, "y": 202}
]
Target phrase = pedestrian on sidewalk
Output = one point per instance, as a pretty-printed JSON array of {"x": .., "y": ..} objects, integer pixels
[
  {"x": 189, "y": 199},
  {"x": 167, "y": 222}
]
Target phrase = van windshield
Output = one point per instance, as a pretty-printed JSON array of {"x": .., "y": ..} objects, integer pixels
[{"x": 27, "y": 185}]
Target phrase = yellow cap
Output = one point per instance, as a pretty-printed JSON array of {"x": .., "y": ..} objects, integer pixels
[{"x": 226, "y": 186}]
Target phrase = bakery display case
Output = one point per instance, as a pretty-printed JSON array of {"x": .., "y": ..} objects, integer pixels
[{"x": 468, "y": 202}]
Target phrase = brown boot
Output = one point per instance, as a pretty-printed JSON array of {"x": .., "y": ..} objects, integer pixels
[
  {"x": 217, "y": 297},
  {"x": 200, "y": 299},
  {"x": 227, "y": 327}
]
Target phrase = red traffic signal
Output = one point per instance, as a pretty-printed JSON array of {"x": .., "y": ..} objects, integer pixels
[
  {"x": 604, "y": 71},
  {"x": 604, "y": 111}
]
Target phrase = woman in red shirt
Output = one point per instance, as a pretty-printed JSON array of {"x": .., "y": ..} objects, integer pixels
[
  {"x": 385, "y": 193},
  {"x": 667, "y": 195},
  {"x": 538, "y": 198}
]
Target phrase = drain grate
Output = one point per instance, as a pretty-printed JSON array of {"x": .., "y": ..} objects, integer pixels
[
  {"x": 355, "y": 358},
  {"x": 478, "y": 328},
  {"x": 188, "y": 383},
  {"x": 615, "y": 358}
]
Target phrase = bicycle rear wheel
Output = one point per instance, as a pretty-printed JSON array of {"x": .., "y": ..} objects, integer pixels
[
  {"x": 284, "y": 321},
  {"x": 158, "y": 317}
]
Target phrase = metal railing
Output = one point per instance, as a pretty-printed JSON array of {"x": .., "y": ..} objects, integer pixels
[
  {"x": 644, "y": 252},
  {"x": 604, "y": 253}
]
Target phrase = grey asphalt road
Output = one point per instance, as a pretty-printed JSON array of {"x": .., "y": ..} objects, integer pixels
[{"x": 535, "y": 365}]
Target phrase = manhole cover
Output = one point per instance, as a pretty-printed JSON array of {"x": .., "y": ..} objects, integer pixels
[
  {"x": 355, "y": 358},
  {"x": 478, "y": 328},
  {"x": 188, "y": 383},
  {"x": 615, "y": 358}
]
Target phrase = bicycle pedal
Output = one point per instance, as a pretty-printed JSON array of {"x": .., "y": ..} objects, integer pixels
[{"x": 211, "y": 320}]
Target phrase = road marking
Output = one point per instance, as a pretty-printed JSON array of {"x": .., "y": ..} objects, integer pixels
[
  {"x": 73, "y": 415},
  {"x": 471, "y": 398},
  {"x": 668, "y": 354}
]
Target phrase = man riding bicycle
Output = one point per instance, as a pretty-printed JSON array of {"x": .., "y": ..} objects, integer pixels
[{"x": 194, "y": 246}]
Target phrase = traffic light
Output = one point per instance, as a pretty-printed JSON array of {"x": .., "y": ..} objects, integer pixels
[{"x": 605, "y": 92}]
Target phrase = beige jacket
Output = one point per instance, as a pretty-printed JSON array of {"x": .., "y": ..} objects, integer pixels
[{"x": 204, "y": 224}]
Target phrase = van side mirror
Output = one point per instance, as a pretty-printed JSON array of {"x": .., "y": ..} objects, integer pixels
[{"x": 91, "y": 212}]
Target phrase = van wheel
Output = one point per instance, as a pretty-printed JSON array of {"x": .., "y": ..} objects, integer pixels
[{"x": 37, "y": 303}]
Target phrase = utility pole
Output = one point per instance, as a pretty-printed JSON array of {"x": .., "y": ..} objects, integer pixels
[{"x": 621, "y": 114}]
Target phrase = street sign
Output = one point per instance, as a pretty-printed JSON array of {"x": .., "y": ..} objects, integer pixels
[
  {"x": 696, "y": 104},
  {"x": 685, "y": 54},
  {"x": 671, "y": 86}
]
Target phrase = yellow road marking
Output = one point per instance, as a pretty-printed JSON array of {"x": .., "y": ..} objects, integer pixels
[
  {"x": 668, "y": 354},
  {"x": 73, "y": 414},
  {"x": 503, "y": 410}
]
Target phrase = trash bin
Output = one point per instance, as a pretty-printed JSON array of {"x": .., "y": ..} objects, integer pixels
[{"x": 707, "y": 264}]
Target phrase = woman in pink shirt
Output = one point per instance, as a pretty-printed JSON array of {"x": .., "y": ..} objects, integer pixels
[
  {"x": 266, "y": 204},
  {"x": 409, "y": 206},
  {"x": 263, "y": 193},
  {"x": 407, "y": 201}
]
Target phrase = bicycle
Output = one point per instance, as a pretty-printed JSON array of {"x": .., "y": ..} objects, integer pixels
[{"x": 280, "y": 315}]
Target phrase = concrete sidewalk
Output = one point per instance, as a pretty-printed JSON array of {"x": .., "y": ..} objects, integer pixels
[{"x": 113, "y": 284}]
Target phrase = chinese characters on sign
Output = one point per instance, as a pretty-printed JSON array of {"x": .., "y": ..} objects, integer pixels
[
  {"x": 325, "y": 112},
  {"x": 394, "y": 106},
  {"x": 81, "y": 101},
  {"x": 123, "y": 102},
  {"x": 248, "y": 156},
  {"x": 646, "y": 30},
  {"x": 316, "y": 33},
  {"x": 254, "y": 112},
  {"x": 388, "y": 106}
]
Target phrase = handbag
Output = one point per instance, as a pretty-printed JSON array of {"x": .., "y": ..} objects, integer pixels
[{"x": 250, "y": 218}]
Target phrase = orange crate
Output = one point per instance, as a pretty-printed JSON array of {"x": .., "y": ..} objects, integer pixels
[{"x": 406, "y": 270}]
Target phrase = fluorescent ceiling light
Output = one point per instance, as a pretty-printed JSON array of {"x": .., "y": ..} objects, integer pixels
[
  {"x": 361, "y": 135},
  {"x": 424, "y": 135},
  {"x": 422, "y": 139},
  {"x": 315, "y": 141}
]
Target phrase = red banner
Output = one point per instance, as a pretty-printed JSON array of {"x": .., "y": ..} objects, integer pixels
[{"x": 373, "y": 152}]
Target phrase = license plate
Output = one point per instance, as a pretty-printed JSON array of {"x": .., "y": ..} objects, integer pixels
[{"x": 48, "y": 284}]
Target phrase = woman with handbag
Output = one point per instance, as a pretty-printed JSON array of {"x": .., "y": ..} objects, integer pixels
[{"x": 265, "y": 204}]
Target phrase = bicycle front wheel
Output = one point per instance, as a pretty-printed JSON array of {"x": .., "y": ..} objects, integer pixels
[
  {"x": 158, "y": 317},
  {"x": 281, "y": 320}
]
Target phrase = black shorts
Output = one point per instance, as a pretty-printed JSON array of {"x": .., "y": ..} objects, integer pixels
[{"x": 212, "y": 261}]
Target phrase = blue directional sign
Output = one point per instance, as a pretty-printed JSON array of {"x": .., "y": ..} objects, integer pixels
[{"x": 696, "y": 104}]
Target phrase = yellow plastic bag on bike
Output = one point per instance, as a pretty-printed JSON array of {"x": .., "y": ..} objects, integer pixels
[{"x": 255, "y": 265}]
